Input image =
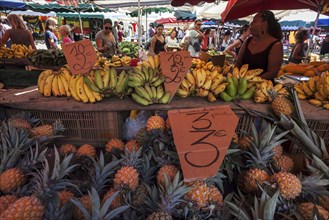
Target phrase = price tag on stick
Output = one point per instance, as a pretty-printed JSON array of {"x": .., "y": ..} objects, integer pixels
[
  {"x": 175, "y": 66},
  {"x": 202, "y": 137},
  {"x": 80, "y": 56}
]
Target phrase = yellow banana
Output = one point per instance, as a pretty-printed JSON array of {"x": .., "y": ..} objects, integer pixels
[
  {"x": 48, "y": 85},
  {"x": 236, "y": 72},
  {"x": 61, "y": 87},
  {"x": 283, "y": 91},
  {"x": 207, "y": 84},
  {"x": 185, "y": 84},
  {"x": 151, "y": 61},
  {"x": 182, "y": 93},
  {"x": 201, "y": 92},
  {"x": 214, "y": 84},
  {"x": 326, "y": 106},
  {"x": 113, "y": 78},
  {"x": 306, "y": 90},
  {"x": 54, "y": 87},
  {"x": 89, "y": 93},
  {"x": 106, "y": 78},
  {"x": 277, "y": 87},
  {"x": 315, "y": 102},
  {"x": 66, "y": 85},
  {"x": 67, "y": 74},
  {"x": 156, "y": 61},
  {"x": 201, "y": 78},
  {"x": 211, "y": 97},
  {"x": 220, "y": 88},
  {"x": 318, "y": 96},
  {"x": 42, "y": 79},
  {"x": 259, "y": 99},
  {"x": 301, "y": 96},
  {"x": 190, "y": 78},
  {"x": 299, "y": 90},
  {"x": 97, "y": 95},
  {"x": 259, "y": 93},
  {"x": 311, "y": 84},
  {"x": 72, "y": 86},
  {"x": 80, "y": 90}
]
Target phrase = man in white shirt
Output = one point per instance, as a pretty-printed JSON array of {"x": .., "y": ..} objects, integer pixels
[{"x": 194, "y": 38}]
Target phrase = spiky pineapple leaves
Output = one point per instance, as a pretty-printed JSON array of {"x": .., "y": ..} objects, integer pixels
[
  {"x": 263, "y": 208},
  {"x": 100, "y": 211}
]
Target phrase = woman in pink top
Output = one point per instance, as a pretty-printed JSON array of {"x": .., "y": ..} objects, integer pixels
[{"x": 64, "y": 31}]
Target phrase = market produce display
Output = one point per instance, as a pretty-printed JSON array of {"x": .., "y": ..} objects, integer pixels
[
  {"x": 308, "y": 69},
  {"x": 129, "y": 49},
  {"x": 48, "y": 58},
  {"x": 316, "y": 90},
  {"x": 16, "y": 51},
  {"x": 114, "y": 61}
]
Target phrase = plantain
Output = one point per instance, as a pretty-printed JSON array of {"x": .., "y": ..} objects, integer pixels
[
  {"x": 140, "y": 100},
  {"x": 243, "y": 86},
  {"x": 247, "y": 95},
  {"x": 90, "y": 83},
  {"x": 225, "y": 97}
]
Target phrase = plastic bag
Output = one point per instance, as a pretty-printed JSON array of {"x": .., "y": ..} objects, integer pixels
[{"x": 133, "y": 124}]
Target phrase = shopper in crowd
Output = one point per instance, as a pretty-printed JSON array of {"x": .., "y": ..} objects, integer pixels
[
  {"x": 158, "y": 41},
  {"x": 115, "y": 31},
  {"x": 105, "y": 40},
  {"x": 151, "y": 30},
  {"x": 264, "y": 49},
  {"x": 205, "y": 43},
  {"x": 171, "y": 40},
  {"x": 325, "y": 46},
  {"x": 18, "y": 34},
  {"x": 65, "y": 33},
  {"x": 234, "y": 48},
  {"x": 193, "y": 38},
  {"x": 212, "y": 40},
  {"x": 50, "y": 38},
  {"x": 298, "y": 51},
  {"x": 120, "y": 34},
  {"x": 4, "y": 26},
  {"x": 226, "y": 40},
  {"x": 180, "y": 34}
]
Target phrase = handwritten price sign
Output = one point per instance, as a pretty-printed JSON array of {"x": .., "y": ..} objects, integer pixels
[
  {"x": 202, "y": 137},
  {"x": 175, "y": 66},
  {"x": 81, "y": 56}
]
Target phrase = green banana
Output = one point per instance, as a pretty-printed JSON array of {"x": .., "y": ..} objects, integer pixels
[
  {"x": 243, "y": 86},
  {"x": 231, "y": 89},
  {"x": 247, "y": 95},
  {"x": 99, "y": 80},
  {"x": 149, "y": 91},
  {"x": 159, "y": 81},
  {"x": 140, "y": 73},
  {"x": 143, "y": 93},
  {"x": 155, "y": 78},
  {"x": 166, "y": 98},
  {"x": 225, "y": 97},
  {"x": 160, "y": 92},
  {"x": 113, "y": 78},
  {"x": 140, "y": 100},
  {"x": 91, "y": 84},
  {"x": 151, "y": 74},
  {"x": 106, "y": 78},
  {"x": 235, "y": 81},
  {"x": 132, "y": 83},
  {"x": 121, "y": 81},
  {"x": 154, "y": 92}
]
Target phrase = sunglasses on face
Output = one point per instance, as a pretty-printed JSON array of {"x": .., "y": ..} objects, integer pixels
[{"x": 108, "y": 28}]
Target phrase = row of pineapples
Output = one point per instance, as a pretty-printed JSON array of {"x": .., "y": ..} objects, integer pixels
[{"x": 141, "y": 178}]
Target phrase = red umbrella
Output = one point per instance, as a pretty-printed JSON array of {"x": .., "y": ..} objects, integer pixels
[
  {"x": 241, "y": 8},
  {"x": 177, "y": 3},
  {"x": 166, "y": 20}
]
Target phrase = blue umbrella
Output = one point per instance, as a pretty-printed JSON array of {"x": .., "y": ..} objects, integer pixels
[{"x": 11, "y": 4}]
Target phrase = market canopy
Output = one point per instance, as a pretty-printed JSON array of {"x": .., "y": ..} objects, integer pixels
[
  {"x": 54, "y": 6},
  {"x": 130, "y": 3},
  {"x": 82, "y": 15},
  {"x": 6, "y": 5},
  {"x": 33, "y": 13},
  {"x": 191, "y": 2},
  {"x": 184, "y": 15}
]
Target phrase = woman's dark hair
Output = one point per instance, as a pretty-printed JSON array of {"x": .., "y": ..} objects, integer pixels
[
  {"x": 227, "y": 33},
  {"x": 160, "y": 25},
  {"x": 244, "y": 28},
  {"x": 274, "y": 28},
  {"x": 107, "y": 21},
  {"x": 207, "y": 31},
  {"x": 300, "y": 35}
]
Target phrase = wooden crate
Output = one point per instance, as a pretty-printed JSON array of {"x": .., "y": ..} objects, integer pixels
[{"x": 94, "y": 128}]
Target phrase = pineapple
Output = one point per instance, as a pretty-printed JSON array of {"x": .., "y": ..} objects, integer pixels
[
  {"x": 235, "y": 138},
  {"x": 11, "y": 179},
  {"x": 277, "y": 150},
  {"x": 199, "y": 194},
  {"x": 64, "y": 197},
  {"x": 281, "y": 105},
  {"x": 47, "y": 130},
  {"x": 90, "y": 207},
  {"x": 67, "y": 149},
  {"x": 18, "y": 122},
  {"x": 324, "y": 202},
  {"x": 215, "y": 197},
  {"x": 116, "y": 202},
  {"x": 114, "y": 143},
  {"x": 245, "y": 142},
  {"x": 140, "y": 136},
  {"x": 307, "y": 211},
  {"x": 132, "y": 145},
  {"x": 251, "y": 177},
  {"x": 169, "y": 170},
  {"x": 159, "y": 216},
  {"x": 155, "y": 122},
  {"x": 33, "y": 207},
  {"x": 289, "y": 185},
  {"x": 283, "y": 163},
  {"x": 139, "y": 195},
  {"x": 87, "y": 150},
  {"x": 126, "y": 177},
  {"x": 6, "y": 201}
]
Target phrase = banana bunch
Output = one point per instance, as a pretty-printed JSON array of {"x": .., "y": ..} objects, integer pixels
[
  {"x": 21, "y": 51},
  {"x": 102, "y": 62},
  {"x": 203, "y": 83},
  {"x": 147, "y": 95},
  {"x": 55, "y": 83},
  {"x": 81, "y": 92},
  {"x": 244, "y": 72},
  {"x": 199, "y": 64},
  {"x": 116, "y": 61},
  {"x": 107, "y": 82},
  {"x": 126, "y": 60},
  {"x": 147, "y": 73},
  {"x": 6, "y": 52},
  {"x": 262, "y": 90},
  {"x": 316, "y": 88},
  {"x": 237, "y": 88}
]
